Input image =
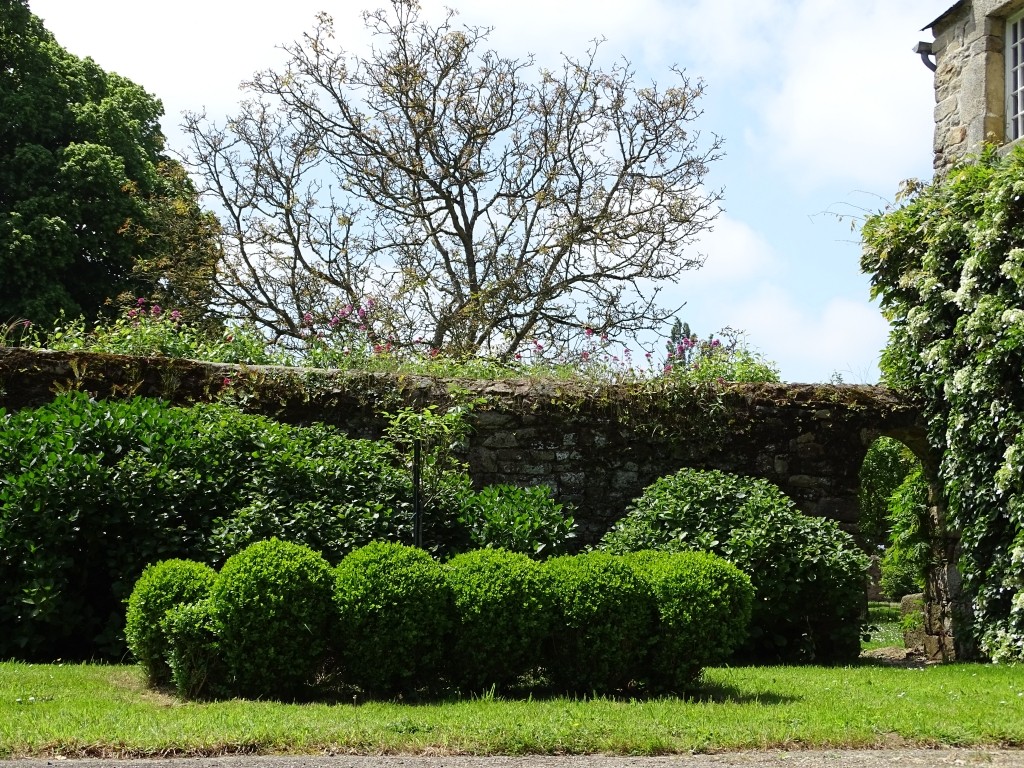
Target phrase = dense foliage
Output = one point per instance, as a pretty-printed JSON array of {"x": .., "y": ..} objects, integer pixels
[
  {"x": 273, "y": 609},
  {"x": 161, "y": 587},
  {"x": 907, "y": 556},
  {"x": 885, "y": 467},
  {"x": 948, "y": 266},
  {"x": 92, "y": 491},
  {"x": 86, "y": 194},
  {"x": 606, "y": 616},
  {"x": 808, "y": 575},
  {"x": 704, "y": 606},
  {"x": 394, "y": 618},
  {"x": 504, "y": 612}
]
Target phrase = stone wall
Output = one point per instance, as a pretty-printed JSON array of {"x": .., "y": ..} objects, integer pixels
[
  {"x": 970, "y": 78},
  {"x": 598, "y": 448}
]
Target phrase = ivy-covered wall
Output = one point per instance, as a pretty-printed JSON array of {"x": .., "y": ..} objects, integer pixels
[{"x": 597, "y": 448}]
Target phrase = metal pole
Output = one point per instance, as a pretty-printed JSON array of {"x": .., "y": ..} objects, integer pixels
[{"x": 417, "y": 504}]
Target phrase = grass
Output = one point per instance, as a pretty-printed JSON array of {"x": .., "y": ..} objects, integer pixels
[
  {"x": 106, "y": 711},
  {"x": 884, "y": 635}
]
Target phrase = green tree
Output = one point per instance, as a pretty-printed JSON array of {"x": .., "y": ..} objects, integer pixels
[
  {"x": 478, "y": 203},
  {"x": 82, "y": 195}
]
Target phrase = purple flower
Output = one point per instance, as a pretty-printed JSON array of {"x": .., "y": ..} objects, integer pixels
[
  {"x": 140, "y": 302},
  {"x": 307, "y": 319},
  {"x": 175, "y": 315},
  {"x": 155, "y": 310}
]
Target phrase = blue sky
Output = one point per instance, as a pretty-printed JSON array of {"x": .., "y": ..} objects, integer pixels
[{"x": 822, "y": 105}]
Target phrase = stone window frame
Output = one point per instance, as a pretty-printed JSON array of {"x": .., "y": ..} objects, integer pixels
[
  {"x": 1013, "y": 47},
  {"x": 998, "y": 22}
]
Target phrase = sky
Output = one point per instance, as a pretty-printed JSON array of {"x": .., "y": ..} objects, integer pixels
[{"x": 822, "y": 105}]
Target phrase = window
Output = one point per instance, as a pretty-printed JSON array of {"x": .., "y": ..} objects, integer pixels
[{"x": 1015, "y": 77}]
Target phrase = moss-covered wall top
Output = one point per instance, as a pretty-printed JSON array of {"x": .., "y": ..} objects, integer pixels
[{"x": 597, "y": 447}]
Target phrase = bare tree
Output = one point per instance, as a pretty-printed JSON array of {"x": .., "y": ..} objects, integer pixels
[{"x": 478, "y": 204}]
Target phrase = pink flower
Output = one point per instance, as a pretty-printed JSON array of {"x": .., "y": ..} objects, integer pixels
[
  {"x": 175, "y": 315},
  {"x": 140, "y": 302},
  {"x": 585, "y": 356},
  {"x": 307, "y": 319},
  {"x": 589, "y": 332},
  {"x": 155, "y": 310},
  {"x": 226, "y": 382}
]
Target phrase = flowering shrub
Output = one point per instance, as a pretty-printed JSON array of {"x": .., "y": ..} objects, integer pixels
[{"x": 948, "y": 266}]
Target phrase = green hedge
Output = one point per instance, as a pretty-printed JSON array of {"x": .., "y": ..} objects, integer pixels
[
  {"x": 394, "y": 616},
  {"x": 704, "y": 606},
  {"x": 92, "y": 491},
  {"x": 273, "y": 610},
  {"x": 605, "y": 621},
  {"x": 162, "y": 586},
  {"x": 809, "y": 576},
  {"x": 280, "y": 623},
  {"x": 504, "y": 612}
]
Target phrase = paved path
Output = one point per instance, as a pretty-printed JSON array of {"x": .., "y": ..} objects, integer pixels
[{"x": 880, "y": 758}]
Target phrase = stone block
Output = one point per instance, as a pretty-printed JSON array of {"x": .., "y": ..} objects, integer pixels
[{"x": 501, "y": 440}]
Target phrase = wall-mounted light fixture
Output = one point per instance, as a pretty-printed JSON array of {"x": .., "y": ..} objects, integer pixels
[{"x": 925, "y": 49}]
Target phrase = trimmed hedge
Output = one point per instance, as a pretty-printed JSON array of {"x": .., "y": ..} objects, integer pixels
[
  {"x": 809, "y": 576},
  {"x": 606, "y": 618},
  {"x": 504, "y": 611},
  {"x": 704, "y": 605},
  {"x": 390, "y": 620},
  {"x": 273, "y": 612},
  {"x": 195, "y": 655},
  {"x": 162, "y": 586},
  {"x": 394, "y": 615}
]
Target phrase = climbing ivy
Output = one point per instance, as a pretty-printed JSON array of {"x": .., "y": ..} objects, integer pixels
[{"x": 948, "y": 266}]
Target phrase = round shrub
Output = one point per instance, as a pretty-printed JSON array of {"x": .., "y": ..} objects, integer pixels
[
  {"x": 704, "y": 605},
  {"x": 809, "y": 576},
  {"x": 394, "y": 611},
  {"x": 503, "y": 614},
  {"x": 605, "y": 616},
  {"x": 273, "y": 610},
  {"x": 194, "y": 655},
  {"x": 161, "y": 586}
]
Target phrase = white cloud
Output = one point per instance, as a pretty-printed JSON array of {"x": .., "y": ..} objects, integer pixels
[
  {"x": 843, "y": 336},
  {"x": 848, "y": 82},
  {"x": 735, "y": 253}
]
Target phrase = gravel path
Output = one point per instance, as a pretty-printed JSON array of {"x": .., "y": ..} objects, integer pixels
[{"x": 879, "y": 758}]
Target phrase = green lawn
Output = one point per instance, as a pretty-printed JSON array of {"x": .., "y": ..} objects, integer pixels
[{"x": 93, "y": 710}]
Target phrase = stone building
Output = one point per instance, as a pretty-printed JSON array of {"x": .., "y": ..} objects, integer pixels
[{"x": 978, "y": 58}]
